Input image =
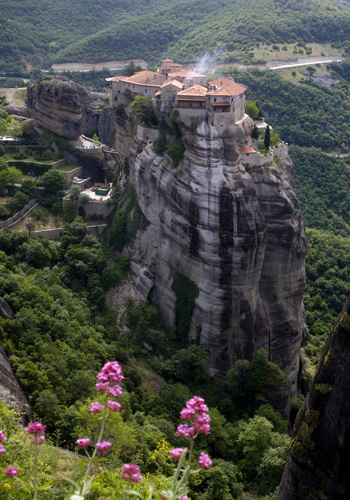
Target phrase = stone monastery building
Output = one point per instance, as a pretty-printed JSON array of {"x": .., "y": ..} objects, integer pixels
[{"x": 174, "y": 85}]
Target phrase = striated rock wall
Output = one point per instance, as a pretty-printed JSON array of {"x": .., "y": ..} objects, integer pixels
[
  {"x": 63, "y": 107},
  {"x": 10, "y": 390},
  {"x": 317, "y": 466},
  {"x": 238, "y": 236}
]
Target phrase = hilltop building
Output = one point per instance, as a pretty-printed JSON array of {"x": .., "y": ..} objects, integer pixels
[{"x": 188, "y": 90}]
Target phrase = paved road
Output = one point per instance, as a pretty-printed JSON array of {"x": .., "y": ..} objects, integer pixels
[{"x": 317, "y": 61}]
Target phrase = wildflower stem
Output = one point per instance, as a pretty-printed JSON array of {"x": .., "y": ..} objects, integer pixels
[
  {"x": 35, "y": 472},
  {"x": 191, "y": 452},
  {"x": 104, "y": 417}
]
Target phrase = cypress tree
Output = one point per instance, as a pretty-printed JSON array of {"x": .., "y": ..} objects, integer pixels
[{"x": 267, "y": 138}]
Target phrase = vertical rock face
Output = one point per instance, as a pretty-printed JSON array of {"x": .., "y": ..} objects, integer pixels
[
  {"x": 318, "y": 464},
  {"x": 10, "y": 390},
  {"x": 63, "y": 107},
  {"x": 238, "y": 236}
]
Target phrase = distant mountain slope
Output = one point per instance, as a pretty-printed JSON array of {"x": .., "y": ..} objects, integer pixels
[{"x": 95, "y": 31}]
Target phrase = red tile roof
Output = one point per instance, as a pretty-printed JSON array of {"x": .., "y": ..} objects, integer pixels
[
  {"x": 226, "y": 86},
  {"x": 194, "y": 91},
  {"x": 174, "y": 82},
  {"x": 142, "y": 78},
  {"x": 247, "y": 150}
]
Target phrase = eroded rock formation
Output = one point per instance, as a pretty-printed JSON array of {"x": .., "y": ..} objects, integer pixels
[
  {"x": 10, "y": 390},
  {"x": 235, "y": 232},
  {"x": 63, "y": 107},
  {"x": 317, "y": 466}
]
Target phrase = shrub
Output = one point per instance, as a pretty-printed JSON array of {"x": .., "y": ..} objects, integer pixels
[{"x": 176, "y": 151}]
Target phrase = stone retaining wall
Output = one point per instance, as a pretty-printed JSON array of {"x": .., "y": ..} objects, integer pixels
[
  {"x": 18, "y": 215},
  {"x": 54, "y": 234},
  {"x": 91, "y": 208}
]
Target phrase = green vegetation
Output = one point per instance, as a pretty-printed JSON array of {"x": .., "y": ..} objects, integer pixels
[
  {"x": 142, "y": 107},
  {"x": 72, "y": 31},
  {"x": 127, "y": 221},
  {"x": 307, "y": 115},
  {"x": 186, "y": 293},
  {"x": 176, "y": 151},
  {"x": 62, "y": 334}
]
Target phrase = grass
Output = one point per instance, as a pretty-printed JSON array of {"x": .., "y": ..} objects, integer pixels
[
  {"x": 47, "y": 221},
  {"x": 266, "y": 52},
  {"x": 66, "y": 168},
  {"x": 295, "y": 74},
  {"x": 20, "y": 96},
  {"x": 31, "y": 158}
]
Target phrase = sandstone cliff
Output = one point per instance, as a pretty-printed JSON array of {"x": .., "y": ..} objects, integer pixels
[
  {"x": 63, "y": 107},
  {"x": 235, "y": 232},
  {"x": 317, "y": 466},
  {"x": 10, "y": 390}
]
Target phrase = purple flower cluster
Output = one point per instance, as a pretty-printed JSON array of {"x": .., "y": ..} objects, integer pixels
[
  {"x": 196, "y": 412},
  {"x": 109, "y": 379},
  {"x": 11, "y": 471},
  {"x": 2, "y": 439},
  {"x": 103, "y": 446},
  {"x": 204, "y": 461},
  {"x": 37, "y": 430},
  {"x": 176, "y": 453},
  {"x": 131, "y": 472}
]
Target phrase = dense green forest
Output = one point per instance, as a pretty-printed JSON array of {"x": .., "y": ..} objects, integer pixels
[
  {"x": 45, "y": 31},
  {"x": 62, "y": 334},
  {"x": 306, "y": 113}
]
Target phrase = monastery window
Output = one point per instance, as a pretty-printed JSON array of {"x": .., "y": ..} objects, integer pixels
[
  {"x": 116, "y": 98},
  {"x": 133, "y": 86},
  {"x": 190, "y": 105},
  {"x": 145, "y": 91},
  {"x": 214, "y": 99}
]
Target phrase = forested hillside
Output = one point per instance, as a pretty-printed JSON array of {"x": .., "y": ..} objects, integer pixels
[{"x": 47, "y": 31}]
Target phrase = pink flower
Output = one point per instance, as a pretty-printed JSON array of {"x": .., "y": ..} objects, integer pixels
[
  {"x": 113, "y": 406},
  {"x": 11, "y": 471},
  {"x": 176, "y": 453},
  {"x": 2, "y": 437},
  {"x": 131, "y": 472},
  {"x": 185, "y": 430},
  {"x": 2, "y": 449},
  {"x": 36, "y": 428},
  {"x": 111, "y": 371},
  {"x": 102, "y": 377},
  {"x": 37, "y": 440},
  {"x": 102, "y": 386},
  {"x": 196, "y": 412},
  {"x": 115, "y": 390},
  {"x": 204, "y": 461},
  {"x": 103, "y": 446},
  {"x": 184, "y": 497},
  {"x": 201, "y": 423},
  {"x": 187, "y": 413},
  {"x": 83, "y": 443},
  {"x": 96, "y": 408}
]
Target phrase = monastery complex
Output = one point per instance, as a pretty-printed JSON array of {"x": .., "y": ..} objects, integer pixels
[
  {"x": 222, "y": 101},
  {"x": 173, "y": 85}
]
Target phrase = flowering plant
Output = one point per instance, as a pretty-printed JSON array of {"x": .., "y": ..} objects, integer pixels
[{"x": 196, "y": 422}]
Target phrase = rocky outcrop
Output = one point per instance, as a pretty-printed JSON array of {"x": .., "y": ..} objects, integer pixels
[
  {"x": 10, "y": 390},
  {"x": 63, "y": 107},
  {"x": 235, "y": 232},
  {"x": 12, "y": 109},
  {"x": 317, "y": 466},
  {"x": 117, "y": 126}
]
